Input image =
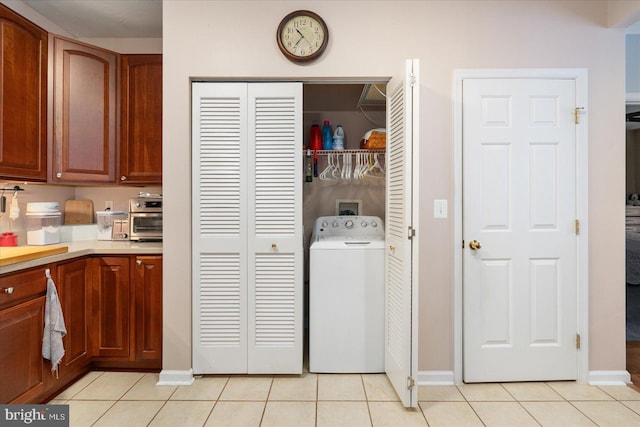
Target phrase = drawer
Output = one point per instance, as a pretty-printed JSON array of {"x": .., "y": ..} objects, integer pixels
[{"x": 23, "y": 285}]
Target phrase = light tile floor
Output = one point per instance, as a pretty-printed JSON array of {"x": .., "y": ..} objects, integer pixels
[{"x": 133, "y": 399}]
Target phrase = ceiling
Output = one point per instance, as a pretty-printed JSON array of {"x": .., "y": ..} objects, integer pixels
[{"x": 103, "y": 18}]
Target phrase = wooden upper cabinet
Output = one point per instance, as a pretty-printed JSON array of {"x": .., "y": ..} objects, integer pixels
[
  {"x": 23, "y": 99},
  {"x": 141, "y": 119},
  {"x": 84, "y": 136}
]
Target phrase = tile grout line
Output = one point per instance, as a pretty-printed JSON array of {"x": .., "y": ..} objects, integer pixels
[
  {"x": 470, "y": 405},
  {"x": 366, "y": 398},
  {"x": 264, "y": 409},
  {"x": 317, "y": 396},
  {"x": 519, "y": 402}
]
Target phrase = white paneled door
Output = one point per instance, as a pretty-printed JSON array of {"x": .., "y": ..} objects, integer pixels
[
  {"x": 519, "y": 230},
  {"x": 247, "y": 228},
  {"x": 401, "y": 271}
]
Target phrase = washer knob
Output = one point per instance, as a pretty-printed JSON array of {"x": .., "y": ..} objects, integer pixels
[
  {"x": 334, "y": 224},
  {"x": 325, "y": 224},
  {"x": 374, "y": 224},
  {"x": 363, "y": 224},
  {"x": 348, "y": 224}
]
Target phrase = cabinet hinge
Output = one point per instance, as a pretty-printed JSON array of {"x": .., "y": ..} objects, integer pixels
[
  {"x": 577, "y": 227},
  {"x": 577, "y": 341},
  {"x": 411, "y": 233},
  {"x": 576, "y": 112},
  {"x": 462, "y": 244},
  {"x": 411, "y": 383}
]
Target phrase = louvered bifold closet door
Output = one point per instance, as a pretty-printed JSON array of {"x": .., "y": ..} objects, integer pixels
[
  {"x": 220, "y": 172},
  {"x": 275, "y": 224},
  {"x": 400, "y": 284}
]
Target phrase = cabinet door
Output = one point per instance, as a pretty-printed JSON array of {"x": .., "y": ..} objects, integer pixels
[
  {"x": 147, "y": 281},
  {"x": 141, "y": 119},
  {"x": 21, "y": 373},
  {"x": 23, "y": 103},
  {"x": 74, "y": 283},
  {"x": 110, "y": 301},
  {"x": 84, "y": 113}
]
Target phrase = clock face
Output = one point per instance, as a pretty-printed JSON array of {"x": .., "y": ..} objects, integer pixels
[{"x": 302, "y": 36}]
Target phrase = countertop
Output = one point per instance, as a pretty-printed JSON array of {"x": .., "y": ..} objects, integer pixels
[{"x": 89, "y": 247}]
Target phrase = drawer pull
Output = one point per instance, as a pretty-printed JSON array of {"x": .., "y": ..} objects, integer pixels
[{"x": 8, "y": 290}]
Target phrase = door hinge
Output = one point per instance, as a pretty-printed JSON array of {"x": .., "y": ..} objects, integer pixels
[
  {"x": 411, "y": 383},
  {"x": 577, "y": 227},
  {"x": 462, "y": 244},
  {"x": 412, "y": 79},
  {"x": 577, "y": 341},
  {"x": 411, "y": 233},
  {"x": 576, "y": 112}
]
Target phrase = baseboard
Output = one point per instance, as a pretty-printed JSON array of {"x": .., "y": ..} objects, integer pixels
[
  {"x": 435, "y": 378},
  {"x": 609, "y": 377},
  {"x": 172, "y": 377}
]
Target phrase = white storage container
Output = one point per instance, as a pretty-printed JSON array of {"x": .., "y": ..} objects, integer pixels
[{"x": 43, "y": 223}]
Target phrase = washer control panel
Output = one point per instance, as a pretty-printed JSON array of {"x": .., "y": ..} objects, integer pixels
[{"x": 348, "y": 227}]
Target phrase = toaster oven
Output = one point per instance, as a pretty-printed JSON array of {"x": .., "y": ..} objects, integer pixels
[{"x": 145, "y": 219}]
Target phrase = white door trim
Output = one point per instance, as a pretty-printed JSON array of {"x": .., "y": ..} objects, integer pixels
[{"x": 582, "y": 169}]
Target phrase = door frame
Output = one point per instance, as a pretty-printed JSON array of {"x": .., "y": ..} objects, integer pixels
[{"x": 582, "y": 206}]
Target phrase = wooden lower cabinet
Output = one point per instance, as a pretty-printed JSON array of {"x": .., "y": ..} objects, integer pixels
[
  {"x": 22, "y": 375},
  {"x": 146, "y": 277},
  {"x": 112, "y": 308},
  {"x": 111, "y": 299},
  {"x": 127, "y": 326},
  {"x": 74, "y": 290}
]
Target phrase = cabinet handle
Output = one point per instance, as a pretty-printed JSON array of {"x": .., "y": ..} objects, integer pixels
[
  {"x": 123, "y": 178},
  {"x": 139, "y": 262},
  {"x": 8, "y": 290},
  {"x": 59, "y": 175}
]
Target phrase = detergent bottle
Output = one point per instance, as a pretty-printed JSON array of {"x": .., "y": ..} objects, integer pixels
[
  {"x": 338, "y": 138},
  {"x": 327, "y": 139}
]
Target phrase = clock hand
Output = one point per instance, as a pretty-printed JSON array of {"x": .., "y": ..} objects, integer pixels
[{"x": 301, "y": 35}]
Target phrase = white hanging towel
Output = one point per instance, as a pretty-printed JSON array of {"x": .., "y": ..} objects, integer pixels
[
  {"x": 14, "y": 209},
  {"x": 54, "y": 328}
]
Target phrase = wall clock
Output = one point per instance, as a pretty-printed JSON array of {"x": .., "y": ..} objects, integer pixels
[{"x": 302, "y": 36}]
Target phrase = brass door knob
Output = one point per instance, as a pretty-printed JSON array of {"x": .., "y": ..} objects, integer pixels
[{"x": 474, "y": 245}]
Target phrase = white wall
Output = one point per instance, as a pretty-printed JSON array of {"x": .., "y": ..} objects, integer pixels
[{"x": 236, "y": 40}]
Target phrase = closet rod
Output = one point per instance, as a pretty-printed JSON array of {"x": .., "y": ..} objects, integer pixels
[{"x": 326, "y": 152}]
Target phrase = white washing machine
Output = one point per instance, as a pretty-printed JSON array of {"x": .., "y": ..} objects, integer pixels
[{"x": 346, "y": 295}]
